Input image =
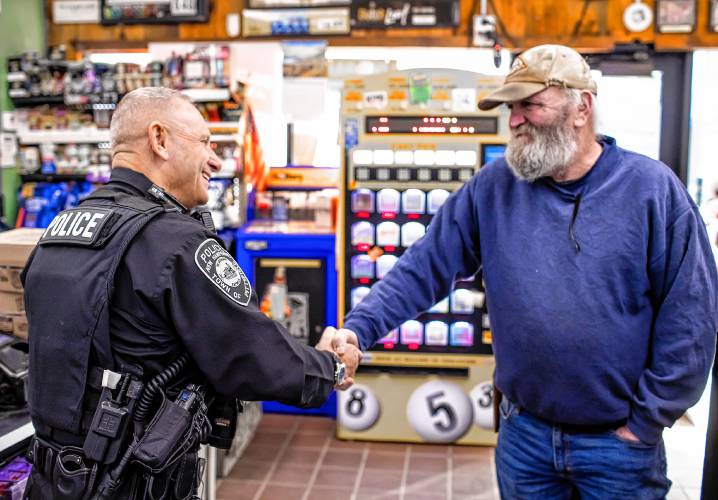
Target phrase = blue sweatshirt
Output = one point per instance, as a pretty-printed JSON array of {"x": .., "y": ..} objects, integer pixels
[{"x": 602, "y": 292}]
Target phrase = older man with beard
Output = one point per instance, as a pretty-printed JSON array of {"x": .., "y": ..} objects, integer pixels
[{"x": 600, "y": 284}]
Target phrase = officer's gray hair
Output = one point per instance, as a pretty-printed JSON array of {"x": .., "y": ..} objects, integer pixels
[{"x": 148, "y": 101}]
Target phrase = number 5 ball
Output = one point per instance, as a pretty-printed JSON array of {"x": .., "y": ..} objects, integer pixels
[
  {"x": 358, "y": 408},
  {"x": 440, "y": 412}
]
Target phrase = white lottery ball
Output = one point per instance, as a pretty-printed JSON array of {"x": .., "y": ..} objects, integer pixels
[
  {"x": 482, "y": 398},
  {"x": 358, "y": 408},
  {"x": 440, "y": 412}
]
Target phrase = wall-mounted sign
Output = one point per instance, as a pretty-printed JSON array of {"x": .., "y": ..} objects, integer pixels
[
  {"x": 404, "y": 14},
  {"x": 76, "y": 11},
  {"x": 676, "y": 16},
  {"x": 295, "y": 22},
  {"x": 284, "y": 4},
  {"x": 714, "y": 16},
  {"x": 154, "y": 11}
]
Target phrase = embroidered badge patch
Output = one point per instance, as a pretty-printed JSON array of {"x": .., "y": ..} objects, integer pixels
[
  {"x": 81, "y": 226},
  {"x": 222, "y": 270}
]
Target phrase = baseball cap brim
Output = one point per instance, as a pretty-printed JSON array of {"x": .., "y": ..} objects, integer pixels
[{"x": 510, "y": 92}]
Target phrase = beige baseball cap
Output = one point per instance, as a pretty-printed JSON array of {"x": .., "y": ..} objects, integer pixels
[{"x": 539, "y": 68}]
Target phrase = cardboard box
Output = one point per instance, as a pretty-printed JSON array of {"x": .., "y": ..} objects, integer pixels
[
  {"x": 12, "y": 303},
  {"x": 14, "y": 324},
  {"x": 10, "y": 279},
  {"x": 17, "y": 244}
]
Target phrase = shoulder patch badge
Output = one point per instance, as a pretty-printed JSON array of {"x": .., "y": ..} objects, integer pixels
[
  {"x": 222, "y": 270},
  {"x": 79, "y": 226}
]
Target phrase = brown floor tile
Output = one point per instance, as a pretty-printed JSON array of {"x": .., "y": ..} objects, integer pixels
[
  {"x": 344, "y": 445},
  {"x": 472, "y": 451},
  {"x": 336, "y": 478},
  {"x": 316, "y": 424},
  {"x": 429, "y": 449},
  {"x": 301, "y": 456},
  {"x": 426, "y": 463},
  {"x": 268, "y": 438},
  {"x": 326, "y": 493},
  {"x": 472, "y": 484},
  {"x": 388, "y": 447},
  {"x": 259, "y": 454},
  {"x": 308, "y": 441},
  {"x": 276, "y": 422},
  {"x": 292, "y": 474},
  {"x": 376, "y": 495},
  {"x": 283, "y": 493},
  {"x": 426, "y": 484},
  {"x": 342, "y": 458},
  {"x": 250, "y": 471},
  {"x": 233, "y": 489},
  {"x": 374, "y": 480},
  {"x": 468, "y": 464},
  {"x": 385, "y": 461}
]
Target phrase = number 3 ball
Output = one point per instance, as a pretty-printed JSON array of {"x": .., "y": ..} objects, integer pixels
[
  {"x": 440, "y": 412},
  {"x": 358, "y": 408}
]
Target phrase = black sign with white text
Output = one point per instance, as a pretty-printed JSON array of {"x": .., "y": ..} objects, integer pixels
[{"x": 383, "y": 14}]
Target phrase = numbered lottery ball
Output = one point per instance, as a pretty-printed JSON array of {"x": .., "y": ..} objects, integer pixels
[
  {"x": 358, "y": 408},
  {"x": 482, "y": 398},
  {"x": 440, "y": 412}
]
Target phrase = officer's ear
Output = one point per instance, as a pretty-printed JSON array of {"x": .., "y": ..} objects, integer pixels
[{"x": 158, "y": 139}]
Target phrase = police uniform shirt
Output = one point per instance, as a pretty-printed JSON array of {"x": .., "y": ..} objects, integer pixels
[{"x": 178, "y": 289}]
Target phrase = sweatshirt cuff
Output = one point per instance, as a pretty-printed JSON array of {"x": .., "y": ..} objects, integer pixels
[
  {"x": 364, "y": 342},
  {"x": 646, "y": 431}
]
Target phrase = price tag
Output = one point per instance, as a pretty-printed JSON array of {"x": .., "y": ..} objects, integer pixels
[
  {"x": 440, "y": 412},
  {"x": 358, "y": 408},
  {"x": 482, "y": 398}
]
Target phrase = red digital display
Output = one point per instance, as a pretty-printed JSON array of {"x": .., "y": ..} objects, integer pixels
[{"x": 432, "y": 125}]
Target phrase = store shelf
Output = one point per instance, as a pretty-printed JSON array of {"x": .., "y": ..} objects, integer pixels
[
  {"x": 85, "y": 136},
  {"x": 225, "y": 138},
  {"x": 16, "y": 76},
  {"x": 207, "y": 95},
  {"x": 222, "y": 125},
  {"x": 21, "y": 102},
  {"x": 19, "y": 429},
  {"x": 53, "y": 177}
]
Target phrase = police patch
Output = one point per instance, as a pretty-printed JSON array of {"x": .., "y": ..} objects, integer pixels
[
  {"x": 79, "y": 226},
  {"x": 222, "y": 270}
]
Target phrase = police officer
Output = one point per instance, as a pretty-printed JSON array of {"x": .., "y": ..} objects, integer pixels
[{"x": 131, "y": 279}]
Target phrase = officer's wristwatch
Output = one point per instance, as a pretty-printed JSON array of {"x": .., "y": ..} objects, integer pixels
[{"x": 340, "y": 370}]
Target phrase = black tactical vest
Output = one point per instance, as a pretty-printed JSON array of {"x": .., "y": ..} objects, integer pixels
[{"x": 69, "y": 282}]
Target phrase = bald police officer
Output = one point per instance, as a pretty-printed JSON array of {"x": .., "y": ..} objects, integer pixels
[{"x": 130, "y": 279}]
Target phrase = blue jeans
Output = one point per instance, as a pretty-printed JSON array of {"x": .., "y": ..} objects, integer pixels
[{"x": 537, "y": 460}]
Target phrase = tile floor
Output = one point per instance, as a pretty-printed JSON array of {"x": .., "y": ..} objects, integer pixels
[{"x": 298, "y": 458}]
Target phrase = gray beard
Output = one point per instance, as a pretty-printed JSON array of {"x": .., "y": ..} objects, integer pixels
[{"x": 549, "y": 153}]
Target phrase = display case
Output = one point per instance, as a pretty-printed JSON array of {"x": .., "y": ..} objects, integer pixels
[{"x": 411, "y": 138}]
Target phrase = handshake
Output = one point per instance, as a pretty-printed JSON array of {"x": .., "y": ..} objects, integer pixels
[{"x": 344, "y": 344}]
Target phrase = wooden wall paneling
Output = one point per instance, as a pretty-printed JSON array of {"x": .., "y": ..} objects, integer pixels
[
  {"x": 216, "y": 28},
  {"x": 523, "y": 24}
]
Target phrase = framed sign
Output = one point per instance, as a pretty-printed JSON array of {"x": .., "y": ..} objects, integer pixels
[
  {"x": 676, "y": 16},
  {"x": 714, "y": 16},
  {"x": 76, "y": 11},
  {"x": 382, "y": 14},
  {"x": 288, "y": 4},
  {"x": 154, "y": 11},
  {"x": 295, "y": 22}
]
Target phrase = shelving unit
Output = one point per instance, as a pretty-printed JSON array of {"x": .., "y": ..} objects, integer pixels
[
  {"x": 79, "y": 136},
  {"x": 207, "y": 95}
]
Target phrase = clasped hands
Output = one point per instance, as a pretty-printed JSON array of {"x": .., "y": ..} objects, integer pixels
[{"x": 345, "y": 345}]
